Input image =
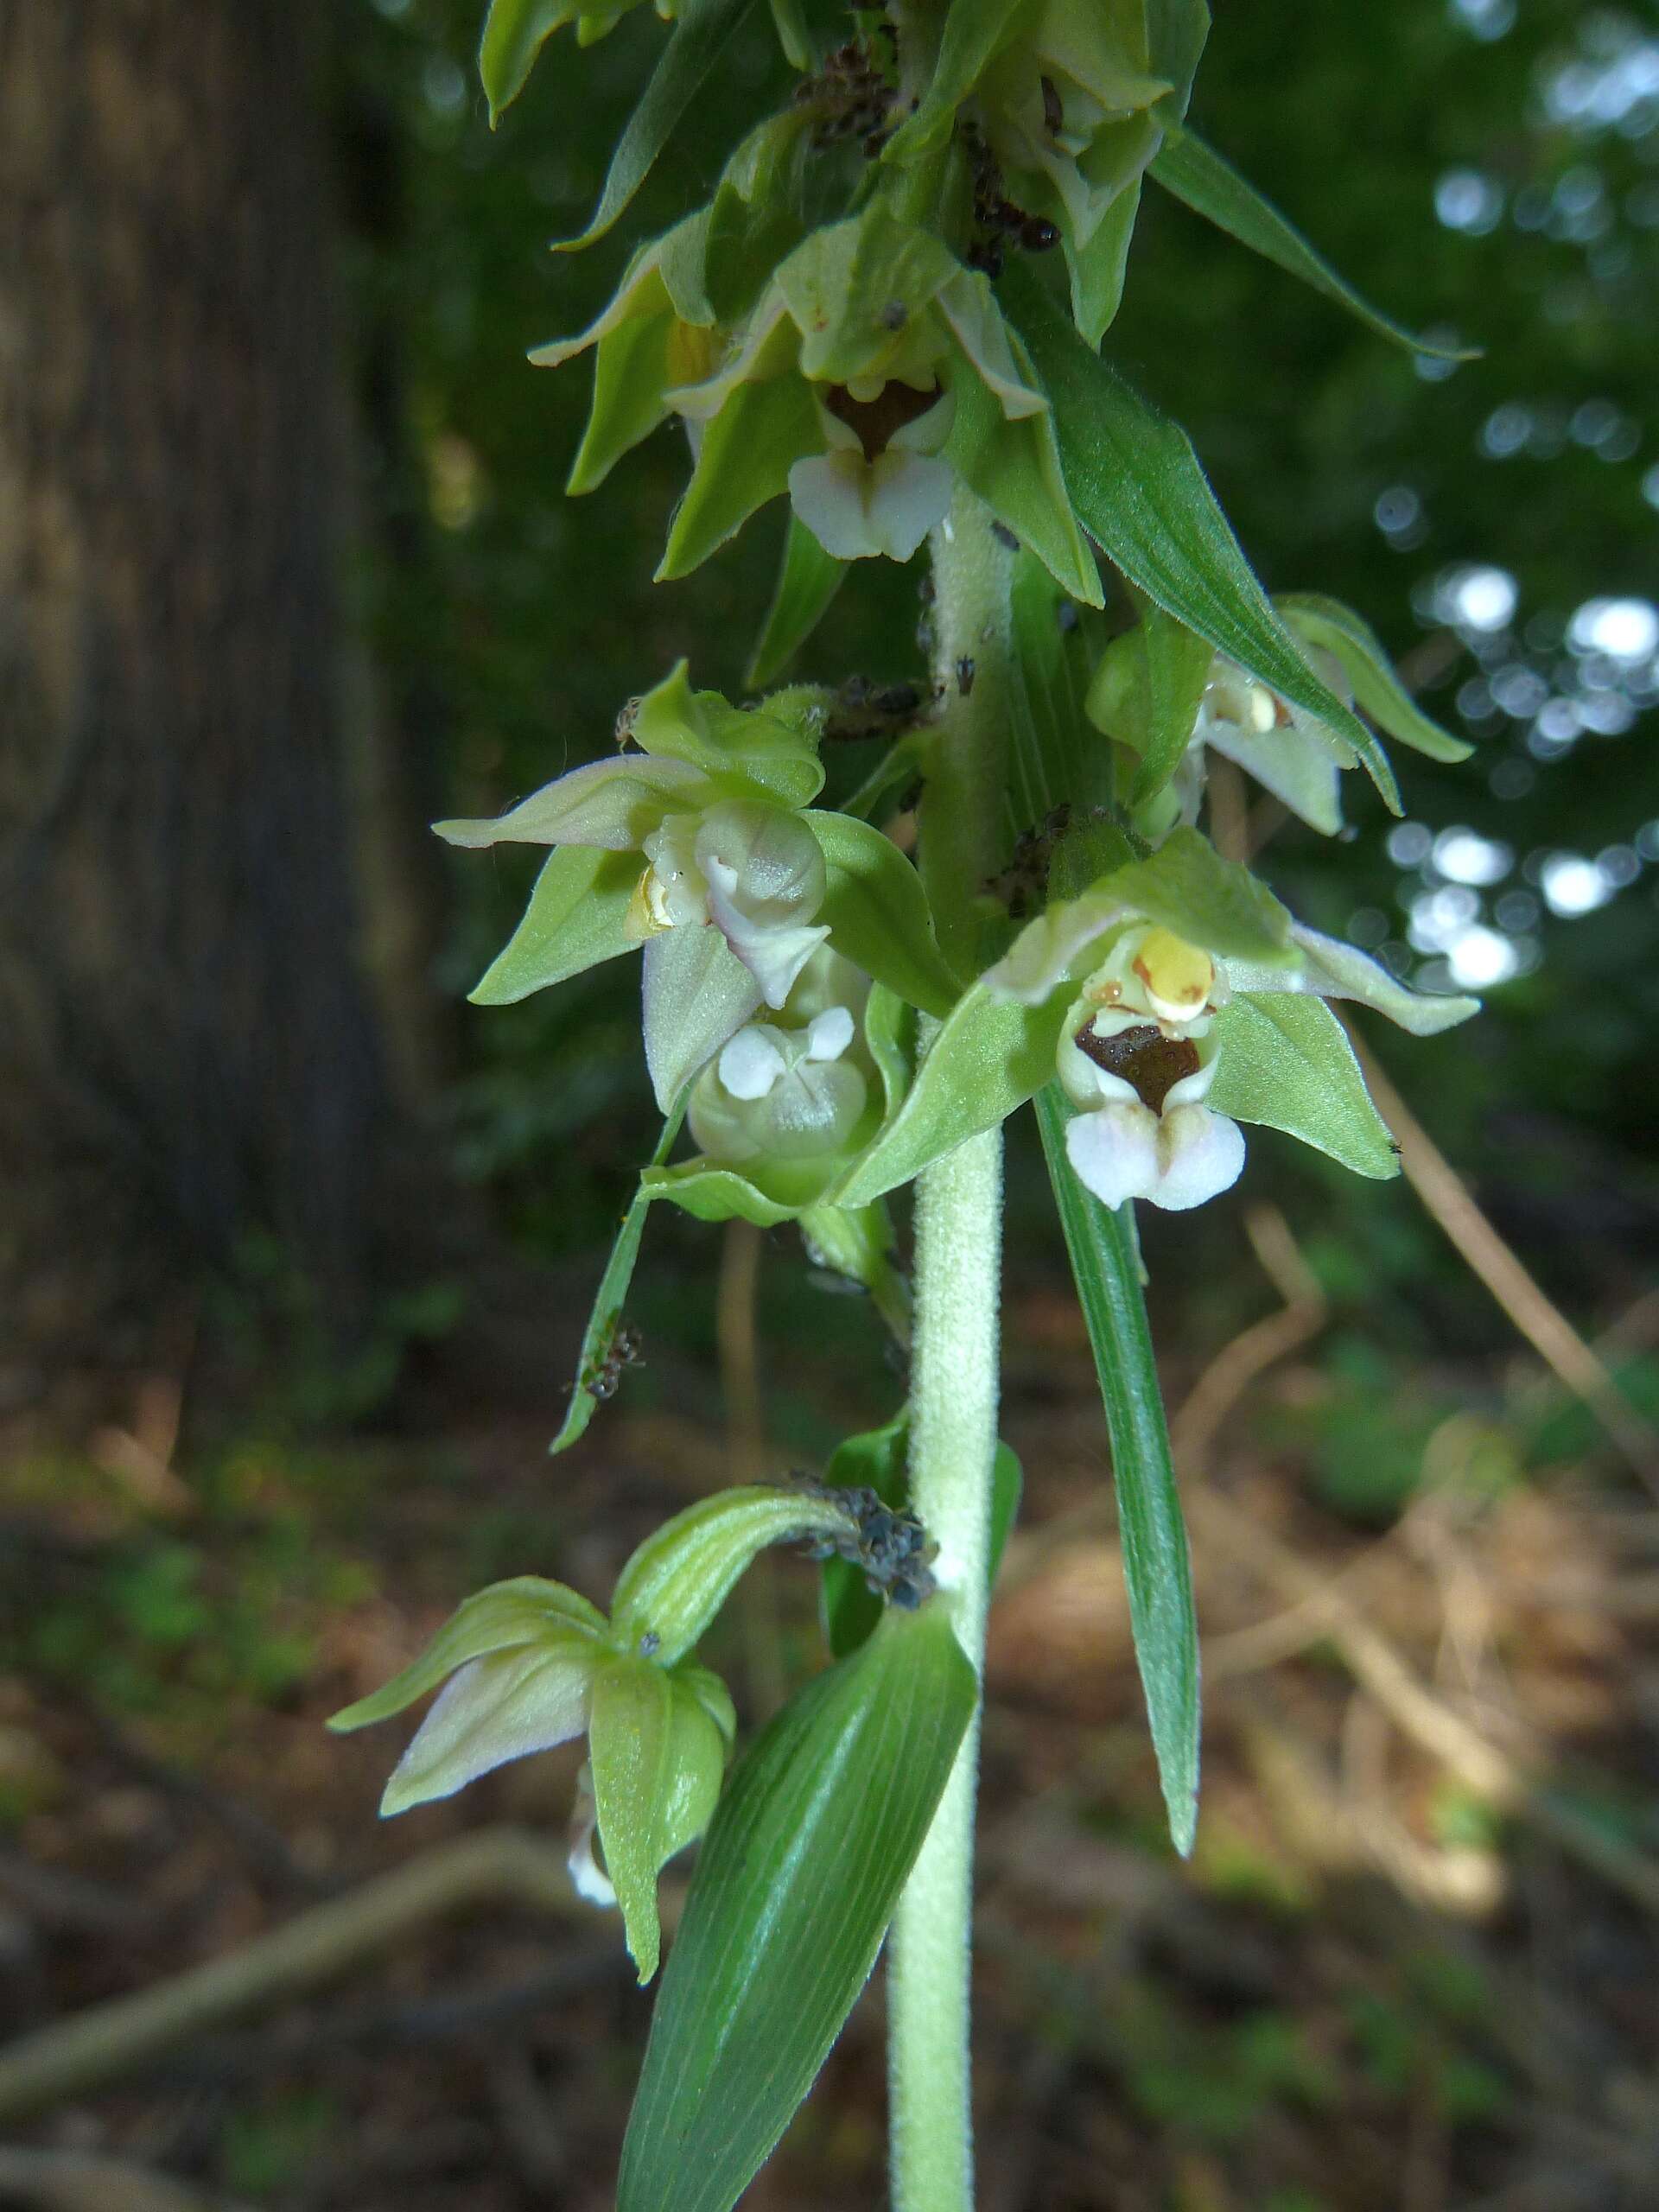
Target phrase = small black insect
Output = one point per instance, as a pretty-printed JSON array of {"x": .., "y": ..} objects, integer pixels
[
  {"x": 1004, "y": 535},
  {"x": 625, "y": 1347},
  {"x": 890, "y": 1545},
  {"x": 894, "y": 316},
  {"x": 1067, "y": 614},
  {"x": 965, "y": 673},
  {"x": 1037, "y": 234},
  {"x": 1053, "y": 113}
]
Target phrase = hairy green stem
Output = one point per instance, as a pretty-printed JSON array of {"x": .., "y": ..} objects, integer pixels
[{"x": 954, "y": 1386}]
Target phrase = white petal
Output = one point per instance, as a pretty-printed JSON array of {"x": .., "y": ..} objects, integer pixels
[
  {"x": 827, "y": 495},
  {"x": 827, "y": 1035},
  {"x": 587, "y": 1877},
  {"x": 491, "y": 1710},
  {"x": 906, "y": 494},
  {"x": 766, "y": 875},
  {"x": 751, "y": 1064},
  {"x": 1200, "y": 1155},
  {"x": 1114, "y": 1152}
]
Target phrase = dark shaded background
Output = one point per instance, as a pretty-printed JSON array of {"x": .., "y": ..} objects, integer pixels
[{"x": 295, "y": 1247}]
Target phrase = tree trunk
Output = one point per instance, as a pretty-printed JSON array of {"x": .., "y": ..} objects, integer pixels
[{"x": 187, "y": 1050}]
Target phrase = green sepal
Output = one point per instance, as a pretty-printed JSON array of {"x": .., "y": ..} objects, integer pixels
[
  {"x": 974, "y": 31},
  {"x": 1157, "y": 1566},
  {"x": 813, "y": 1839},
  {"x": 1377, "y": 689},
  {"x": 676, "y": 1581},
  {"x": 775, "y": 755},
  {"x": 794, "y": 33},
  {"x": 599, "y": 1339},
  {"x": 576, "y": 918},
  {"x": 514, "y": 33},
  {"x": 525, "y": 1611},
  {"x": 631, "y": 373},
  {"x": 657, "y": 1757},
  {"x": 841, "y": 284},
  {"x": 1285, "y": 1061},
  {"x": 877, "y": 912},
  {"x": 755, "y": 218},
  {"x": 749, "y": 449},
  {"x": 808, "y": 580},
  {"x": 1216, "y": 904},
  {"x": 1014, "y": 466},
  {"x": 1147, "y": 693},
  {"x": 890, "y": 1035},
  {"x": 1097, "y": 270},
  {"x": 1212, "y": 188},
  {"x": 986, "y": 1060},
  {"x": 1138, "y": 488},
  {"x": 710, "y": 1192},
  {"x": 700, "y": 36},
  {"x": 1327, "y": 968}
]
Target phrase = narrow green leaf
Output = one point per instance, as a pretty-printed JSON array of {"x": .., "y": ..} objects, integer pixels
[
  {"x": 1054, "y": 749},
  {"x": 987, "y": 1058},
  {"x": 1140, "y": 492},
  {"x": 700, "y": 36},
  {"x": 599, "y": 1338},
  {"x": 814, "y": 1837},
  {"x": 1365, "y": 662},
  {"x": 1212, "y": 188},
  {"x": 1286, "y": 1062},
  {"x": 575, "y": 918},
  {"x": 877, "y": 914},
  {"x": 807, "y": 581},
  {"x": 1156, "y": 1567}
]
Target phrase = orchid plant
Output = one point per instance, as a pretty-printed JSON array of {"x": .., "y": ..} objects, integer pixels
[{"x": 891, "y": 313}]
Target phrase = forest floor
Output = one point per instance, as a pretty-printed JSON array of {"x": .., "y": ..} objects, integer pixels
[{"x": 1412, "y": 1966}]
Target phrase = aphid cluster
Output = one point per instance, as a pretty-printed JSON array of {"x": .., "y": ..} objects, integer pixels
[
  {"x": 854, "y": 98},
  {"x": 1023, "y": 883},
  {"x": 995, "y": 212},
  {"x": 864, "y": 709},
  {"x": 891, "y": 1547}
]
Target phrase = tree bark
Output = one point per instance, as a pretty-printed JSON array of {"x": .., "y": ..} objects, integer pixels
[{"x": 187, "y": 1050}]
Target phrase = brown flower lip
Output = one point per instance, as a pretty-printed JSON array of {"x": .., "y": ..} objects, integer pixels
[
  {"x": 876, "y": 422},
  {"x": 1150, "y": 1063}
]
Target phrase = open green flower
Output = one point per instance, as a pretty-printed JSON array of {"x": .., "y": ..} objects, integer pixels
[
  {"x": 731, "y": 881},
  {"x": 1164, "y": 962}
]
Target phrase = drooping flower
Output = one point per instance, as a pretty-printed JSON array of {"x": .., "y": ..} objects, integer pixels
[
  {"x": 796, "y": 1092},
  {"x": 692, "y": 847},
  {"x": 527, "y": 1665}
]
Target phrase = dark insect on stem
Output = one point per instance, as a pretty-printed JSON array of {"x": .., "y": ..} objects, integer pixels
[
  {"x": 624, "y": 1347},
  {"x": 1024, "y": 882},
  {"x": 890, "y": 1545},
  {"x": 1004, "y": 535},
  {"x": 1053, "y": 113},
  {"x": 965, "y": 673}
]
